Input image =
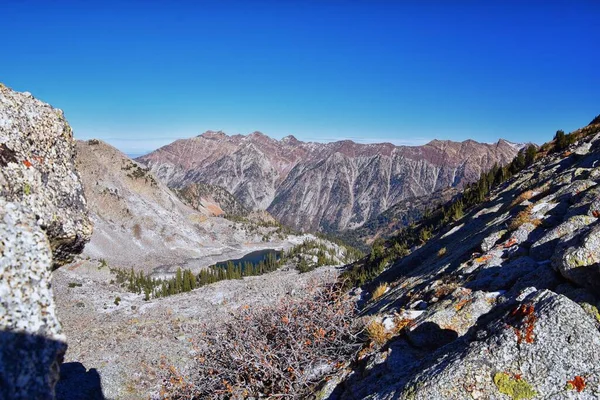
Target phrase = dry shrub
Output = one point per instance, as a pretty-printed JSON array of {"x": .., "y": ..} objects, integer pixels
[
  {"x": 273, "y": 351},
  {"x": 444, "y": 290},
  {"x": 523, "y": 217},
  {"x": 376, "y": 332},
  {"x": 526, "y": 195},
  {"x": 380, "y": 291},
  {"x": 137, "y": 231},
  {"x": 401, "y": 323},
  {"x": 441, "y": 252}
]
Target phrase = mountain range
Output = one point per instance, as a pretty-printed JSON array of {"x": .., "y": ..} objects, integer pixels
[{"x": 322, "y": 186}]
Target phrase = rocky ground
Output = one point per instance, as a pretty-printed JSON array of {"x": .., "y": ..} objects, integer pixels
[
  {"x": 121, "y": 346},
  {"x": 503, "y": 304}
]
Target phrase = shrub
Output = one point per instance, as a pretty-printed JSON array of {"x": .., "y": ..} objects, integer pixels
[
  {"x": 523, "y": 217},
  {"x": 526, "y": 195},
  {"x": 380, "y": 291},
  {"x": 274, "y": 351},
  {"x": 74, "y": 284},
  {"x": 137, "y": 231},
  {"x": 117, "y": 300},
  {"x": 376, "y": 332}
]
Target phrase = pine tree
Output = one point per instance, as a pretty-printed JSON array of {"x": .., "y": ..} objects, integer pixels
[
  {"x": 560, "y": 140},
  {"x": 530, "y": 155},
  {"x": 178, "y": 281},
  {"x": 187, "y": 285}
]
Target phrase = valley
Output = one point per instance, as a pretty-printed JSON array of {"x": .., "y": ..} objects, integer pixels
[{"x": 143, "y": 290}]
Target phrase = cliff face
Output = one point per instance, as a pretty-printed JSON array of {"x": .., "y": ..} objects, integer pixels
[
  {"x": 315, "y": 186},
  {"x": 43, "y": 224},
  {"x": 503, "y": 302}
]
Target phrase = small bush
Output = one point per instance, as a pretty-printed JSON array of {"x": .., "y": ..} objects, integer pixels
[
  {"x": 137, "y": 231},
  {"x": 93, "y": 142},
  {"x": 441, "y": 252},
  {"x": 376, "y": 332},
  {"x": 117, "y": 300},
  {"x": 523, "y": 217},
  {"x": 74, "y": 284},
  {"x": 528, "y": 194},
  {"x": 380, "y": 291},
  {"x": 278, "y": 351}
]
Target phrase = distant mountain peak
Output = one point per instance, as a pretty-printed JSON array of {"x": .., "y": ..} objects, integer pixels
[
  {"x": 213, "y": 135},
  {"x": 290, "y": 139}
]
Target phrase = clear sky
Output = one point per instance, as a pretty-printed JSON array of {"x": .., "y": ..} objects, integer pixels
[{"x": 141, "y": 74}]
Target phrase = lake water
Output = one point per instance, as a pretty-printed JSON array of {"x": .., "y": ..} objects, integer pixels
[{"x": 255, "y": 257}]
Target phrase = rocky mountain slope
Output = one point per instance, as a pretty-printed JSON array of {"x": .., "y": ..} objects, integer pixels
[
  {"x": 212, "y": 200},
  {"x": 396, "y": 217},
  {"x": 316, "y": 186},
  {"x": 43, "y": 224},
  {"x": 500, "y": 303},
  {"x": 141, "y": 223}
]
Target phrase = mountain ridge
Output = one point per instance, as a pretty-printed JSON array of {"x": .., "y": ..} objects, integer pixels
[{"x": 294, "y": 180}]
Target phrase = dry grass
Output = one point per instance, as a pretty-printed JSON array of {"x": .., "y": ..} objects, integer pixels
[
  {"x": 401, "y": 323},
  {"x": 441, "y": 252},
  {"x": 380, "y": 291},
  {"x": 376, "y": 333},
  {"x": 523, "y": 217},
  {"x": 526, "y": 195}
]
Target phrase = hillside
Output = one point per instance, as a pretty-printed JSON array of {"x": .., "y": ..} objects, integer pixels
[
  {"x": 499, "y": 302},
  {"x": 317, "y": 186},
  {"x": 212, "y": 200},
  {"x": 141, "y": 223},
  {"x": 396, "y": 217}
]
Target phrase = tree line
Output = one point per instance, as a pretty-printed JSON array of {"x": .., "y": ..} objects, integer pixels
[{"x": 300, "y": 256}]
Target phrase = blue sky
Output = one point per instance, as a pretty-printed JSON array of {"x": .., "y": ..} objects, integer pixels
[{"x": 141, "y": 74}]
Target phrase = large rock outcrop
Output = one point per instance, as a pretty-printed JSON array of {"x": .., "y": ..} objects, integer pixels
[
  {"x": 43, "y": 224},
  {"x": 322, "y": 186},
  {"x": 501, "y": 303}
]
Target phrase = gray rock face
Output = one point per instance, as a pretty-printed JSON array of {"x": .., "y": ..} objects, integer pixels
[
  {"x": 577, "y": 257},
  {"x": 502, "y": 360},
  {"x": 43, "y": 223},
  {"x": 30, "y": 340},
  {"x": 333, "y": 186},
  {"x": 37, "y": 160}
]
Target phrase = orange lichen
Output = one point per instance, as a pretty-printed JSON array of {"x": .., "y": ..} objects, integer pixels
[
  {"x": 484, "y": 258},
  {"x": 511, "y": 242},
  {"x": 525, "y": 315},
  {"x": 578, "y": 383},
  {"x": 27, "y": 163},
  {"x": 461, "y": 304},
  {"x": 596, "y": 214}
]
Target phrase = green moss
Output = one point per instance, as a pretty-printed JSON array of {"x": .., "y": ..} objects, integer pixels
[
  {"x": 27, "y": 189},
  {"x": 591, "y": 310},
  {"x": 517, "y": 389}
]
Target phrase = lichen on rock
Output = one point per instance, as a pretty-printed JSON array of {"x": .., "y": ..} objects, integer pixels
[{"x": 43, "y": 224}]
